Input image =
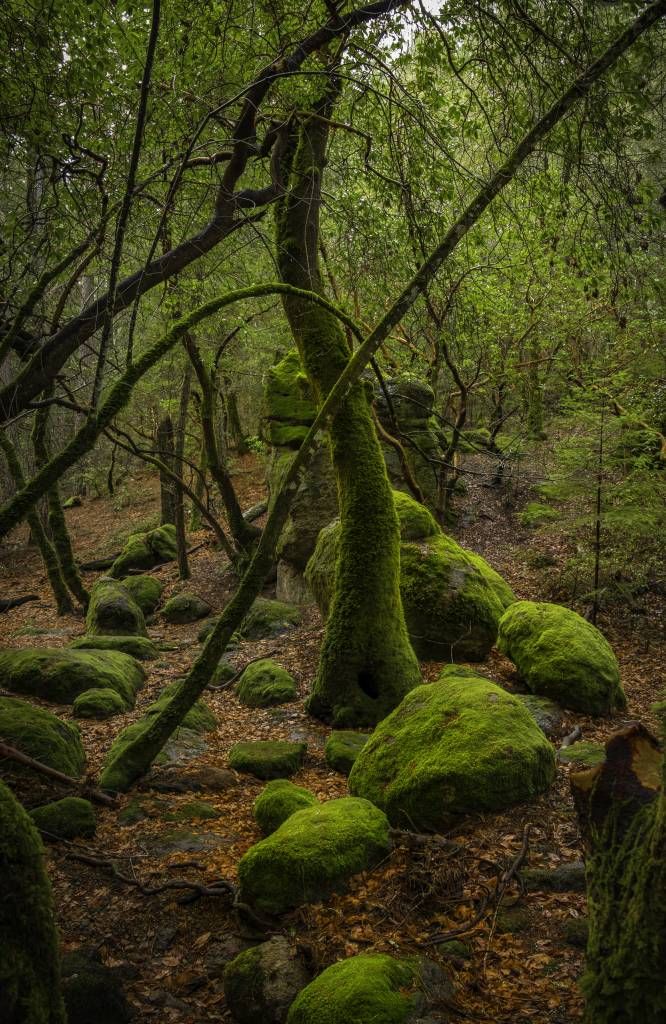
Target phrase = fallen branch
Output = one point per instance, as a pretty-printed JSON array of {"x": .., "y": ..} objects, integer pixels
[
  {"x": 14, "y": 602},
  {"x": 90, "y": 792}
]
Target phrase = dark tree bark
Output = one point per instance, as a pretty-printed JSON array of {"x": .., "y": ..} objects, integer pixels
[
  {"x": 165, "y": 449},
  {"x": 181, "y": 539}
]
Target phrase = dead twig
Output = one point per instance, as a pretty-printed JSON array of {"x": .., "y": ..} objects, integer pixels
[{"x": 87, "y": 790}]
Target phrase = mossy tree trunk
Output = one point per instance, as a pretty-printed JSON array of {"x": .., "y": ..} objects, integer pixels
[
  {"x": 367, "y": 664},
  {"x": 38, "y": 533},
  {"x": 29, "y": 964},
  {"x": 179, "y": 519},
  {"x": 622, "y": 809},
  {"x": 165, "y": 451}
]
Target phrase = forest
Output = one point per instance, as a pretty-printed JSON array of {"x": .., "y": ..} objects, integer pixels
[{"x": 332, "y": 511}]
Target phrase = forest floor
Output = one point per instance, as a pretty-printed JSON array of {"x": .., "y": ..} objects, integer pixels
[{"x": 516, "y": 966}]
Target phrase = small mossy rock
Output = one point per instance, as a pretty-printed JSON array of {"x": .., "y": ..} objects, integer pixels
[
  {"x": 584, "y": 752},
  {"x": 113, "y": 611},
  {"x": 455, "y": 949},
  {"x": 100, "y": 703},
  {"x": 512, "y": 920},
  {"x": 564, "y": 878},
  {"x": 560, "y": 655},
  {"x": 278, "y": 801},
  {"x": 146, "y": 550},
  {"x": 313, "y": 853},
  {"x": 199, "y": 718},
  {"x": 224, "y": 672},
  {"x": 184, "y": 608},
  {"x": 69, "y": 818},
  {"x": 29, "y": 968},
  {"x": 93, "y": 993},
  {"x": 546, "y": 713},
  {"x": 267, "y": 759},
  {"x": 453, "y": 747},
  {"x": 59, "y": 675},
  {"x": 42, "y": 736},
  {"x": 269, "y": 618},
  {"x": 146, "y": 591},
  {"x": 193, "y": 780},
  {"x": 193, "y": 810},
  {"x": 139, "y": 647},
  {"x": 264, "y": 683},
  {"x": 452, "y": 599},
  {"x": 373, "y": 988},
  {"x": 343, "y": 747},
  {"x": 262, "y": 982}
]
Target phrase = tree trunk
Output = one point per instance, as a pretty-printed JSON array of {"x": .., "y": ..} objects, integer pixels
[
  {"x": 165, "y": 451},
  {"x": 622, "y": 810},
  {"x": 29, "y": 965},
  {"x": 367, "y": 664},
  {"x": 234, "y": 426},
  {"x": 181, "y": 426}
]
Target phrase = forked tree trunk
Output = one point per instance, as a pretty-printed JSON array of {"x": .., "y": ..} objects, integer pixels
[{"x": 622, "y": 810}]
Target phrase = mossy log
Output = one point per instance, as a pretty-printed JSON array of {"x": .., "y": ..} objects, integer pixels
[{"x": 622, "y": 811}]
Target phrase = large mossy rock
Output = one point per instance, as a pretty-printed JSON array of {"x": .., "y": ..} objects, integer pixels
[
  {"x": 312, "y": 854},
  {"x": 59, "y": 675},
  {"x": 452, "y": 599},
  {"x": 146, "y": 591},
  {"x": 278, "y": 801},
  {"x": 261, "y": 983},
  {"x": 139, "y": 647},
  {"x": 113, "y": 611},
  {"x": 102, "y": 703},
  {"x": 560, "y": 655},
  {"x": 343, "y": 747},
  {"x": 29, "y": 962},
  {"x": 457, "y": 746},
  {"x": 264, "y": 683},
  {"x": 184, "y": 608},
  {"x": 267, "y": 759},
  {"x": 42, "y": 736},
  {"x": 269, "y": 618},
  {"x": 411, "y": 401},
  {"x": 69, "y": 818},
  {"x": 146, "y": 550},
  {"x": 289, "y": 409},
  {"x": 374, "y": 988}
]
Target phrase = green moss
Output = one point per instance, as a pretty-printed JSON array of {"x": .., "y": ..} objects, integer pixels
[
  {"x": 146, "y": 591},
  {"x": 61, "y": 675},
  {"x": 585, "y": 752},
  {"x": 101, "y": 703},
  {"x": 560, "y": 655},
  {"x": 113, "y": 611},
  {"x": 29, "y": 967},
  {"x": 184, "y": 608},
  {"x": 278, "y": 801},
  {"x": 267, "y": 759},
  {"x": 536, "y": 514},
  {"x": 68, "y": 818},
  {"x": 42, "y": 736},
  {"x": 197, "y": 810},
  {"x": 269, "y": 618},
  {"x": 224, "y": 672},
  {"x": 289, "y": 406},
  {"x": 261, "y": 983},
  {"x": 458, "y": 746},
  {"x": 313, "y": 853},
  {"x": 416, "y": 521},
  {"x": 199, "y": 718},
  {"x": 139, "y": 647},
  {"x": 146, "y": 550},
  {"x": 265, "y": 683},
  {"x": 342, "y": 749},
  {"x": 372, "y": 988}
]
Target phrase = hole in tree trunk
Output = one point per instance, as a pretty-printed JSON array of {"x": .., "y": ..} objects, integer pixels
[{"x": 368, "y": 684}]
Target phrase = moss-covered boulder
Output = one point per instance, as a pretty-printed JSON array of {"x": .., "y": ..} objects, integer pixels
[
  {"x": 453, "y": 747},
  {"x": 61, "y": 675},
  {"x": 93, "y": 993},
  {"x": 269, "y": 618},
  {"x": 184, "y": 608},
  {"x": 313, "y": 853},
  {"x": 223, "y": 673},
  {"x": 288, "y": 404},
  {"x": 342, "y": 748},
  {"x": 42, "y": 736},
  {"x": 265, "y": 683},
  {"x": 146, "y": 591},
  {"x": 139, "y": 647},
  {"x": 268, "y": 759},
  {"x": 29, "y": 962},
  {"x": 261, "y": 983},
  {"x": 199, "y": 718},
  {"x": 113, "y": 611},
  {"x": 584, "y": 753},
  {"x": 146, "y": 550},
  {"x": 373, "y": 988},
  {"x": 278, "y": 801},
  {"x": 560, "y": 655},
  {"x": 100, "y": 703},
  {"x": 69, "y": 818},
  {"x": 452, "y": 599}
]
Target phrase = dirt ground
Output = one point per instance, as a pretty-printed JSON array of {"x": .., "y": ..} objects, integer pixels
[{"x": 172, "y": 955}]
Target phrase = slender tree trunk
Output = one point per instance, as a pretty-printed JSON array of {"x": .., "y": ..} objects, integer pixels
[
  {"x": 181, "y": 539},
  {"x": 367, "y": 664},
  {"x": 199, "y": 488},
  {"x": 165, "y": 451},
  {"x": 234, "y": 425}
]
